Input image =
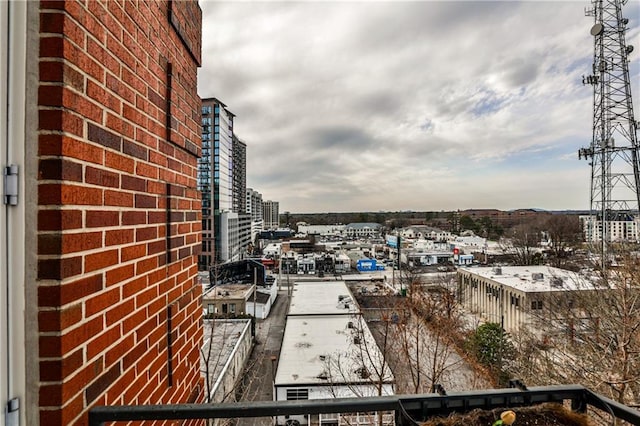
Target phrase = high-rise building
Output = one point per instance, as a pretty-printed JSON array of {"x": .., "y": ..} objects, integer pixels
[
  {"x": 222, "y": 181},
  {"x": 239, "y": 190},
  {"x": 254, "y": 209},
  {"x": 271, "y": 214},
  {"x": 99, "y": 297}
]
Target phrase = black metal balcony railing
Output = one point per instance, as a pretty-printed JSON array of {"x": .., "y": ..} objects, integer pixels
[{"x": 408, "y": 408}]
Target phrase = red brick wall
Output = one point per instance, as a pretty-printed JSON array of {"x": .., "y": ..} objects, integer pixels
[{"x": 119, "y": 216}]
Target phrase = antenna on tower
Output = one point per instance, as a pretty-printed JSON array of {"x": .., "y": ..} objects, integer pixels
[{"x": 613, "y": 152}]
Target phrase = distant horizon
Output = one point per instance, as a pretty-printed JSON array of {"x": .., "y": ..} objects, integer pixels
[{"x": 436, "y": 211}]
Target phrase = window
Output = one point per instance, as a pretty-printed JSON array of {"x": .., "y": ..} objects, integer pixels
[
  {"x": 211, "y": 308},
  {"x": 536, "y": 304},
  {"x": 232, "y": 308},
  {"x": 296, "y": 394}
]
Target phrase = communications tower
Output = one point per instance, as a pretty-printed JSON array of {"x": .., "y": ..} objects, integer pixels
[{"x": 613, "y": 152}]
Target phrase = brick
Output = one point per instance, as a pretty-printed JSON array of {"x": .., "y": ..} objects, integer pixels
[
  {"x": 78, "y": 336},
  {"x": 134, "y": 286},
  {"x": 117, "y": 352},
  {"x": 68, "y": 243},
  {"x": 133, "y": 252},
  {"x": 101, "y": 177},
  {"x": 118, "y": 237},
  {"x": 59, "y": 169},
  {"x": 53, "y": 220},
  {"x": 58, "y": 369},
  {"x": 101, "y": 218},
  {"x": 118, "y": 198},
  {"x": 155, "y": 247},
  {"x": 103, "y": 97},
  {"x": 58, "y": 269},
  {"x": 143, "y": 234},
  {"x": 100, "y": 260},
  {"x": 62, "y": 294},
  {"x": 134, "y": 218},
  {"x": 134, "y": 183},
  {"x": 98, "y": 302},
  {"x": 104, "y": 137},
  {"x": 145, "y": 201},
  {"x": 74, "y": 148},
  {"x": 117, "y": 124},
  {"x": 116, "y": 161},
  {"x": 120, "y": 274},
  {"x": 59, "y": 319},
  {"x": 60, "y": 121},
  {"x": 49, "y": 194},
  {"x": 156, "y": 217},
  {"x": 135, "y": 354},
  {"x": 62, "y": 415},
  {"x": 102, "y": 341},
  {"x": 127, "y": 94},
  {"x": 102, "y": 383},
  {"x": 135, "y": 150}
]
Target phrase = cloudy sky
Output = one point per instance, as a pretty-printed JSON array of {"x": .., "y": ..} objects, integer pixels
[{"x": 422, "y": 105}]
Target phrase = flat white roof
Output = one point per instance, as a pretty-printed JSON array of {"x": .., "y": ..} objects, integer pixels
[
  {"x": 220, "y": 339},
  {"x": 521, "y": 278},
  {"x": 321, "y": 297},
  {"x": 312, "y": 345}
]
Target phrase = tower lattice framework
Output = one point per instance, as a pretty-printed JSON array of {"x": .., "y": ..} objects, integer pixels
[{"x": 613, "y": 152}]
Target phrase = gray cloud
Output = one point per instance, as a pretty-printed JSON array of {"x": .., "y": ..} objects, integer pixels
[{"x": 426, "y": 102}]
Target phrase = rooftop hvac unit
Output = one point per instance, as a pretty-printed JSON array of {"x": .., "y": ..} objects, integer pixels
[
  {"x": 537, "y": 276},
  {"x": 497, "y": 270},
  {"x": 356, "y": 340},
  {"x": 556, "y": 282},
  {"x": 350, "y": 324}
]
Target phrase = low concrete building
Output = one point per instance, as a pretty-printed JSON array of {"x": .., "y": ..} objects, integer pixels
[
  {"x": 225, "y": 351},
  {"x": 322, "y": 351},
  {"x": 227, "y": 299},
  {"x": 514, "y": 296}
]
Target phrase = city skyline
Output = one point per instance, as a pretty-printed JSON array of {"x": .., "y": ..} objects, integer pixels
[{"x": 369, "y": 106}]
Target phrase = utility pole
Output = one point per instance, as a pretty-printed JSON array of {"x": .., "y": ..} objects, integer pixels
[{"x": 613, "y": 152}]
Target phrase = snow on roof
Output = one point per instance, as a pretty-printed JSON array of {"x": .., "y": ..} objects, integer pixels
[
  {"x": 321, "y": 297},
  {"x": 534, "y": 278}
]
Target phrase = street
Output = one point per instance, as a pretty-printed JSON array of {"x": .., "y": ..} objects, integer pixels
[{"x": 257, "y": 382}]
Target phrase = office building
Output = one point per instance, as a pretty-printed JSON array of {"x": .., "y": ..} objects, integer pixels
[
  {"x": 271, "y": 214},
  {"x": 254, "y": 208},
  {"x": 222, "y": 180}
]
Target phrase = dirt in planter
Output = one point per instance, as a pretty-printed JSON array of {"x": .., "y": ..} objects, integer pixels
[{"x": 542, "y": 415}]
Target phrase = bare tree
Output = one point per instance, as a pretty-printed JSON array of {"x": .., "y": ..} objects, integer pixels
[
  {"x": 426, "y": 338},
  {"x": 522, "y": 243},
  {"x": 589, "y": 337},
  {"x": 363, "y": 369},
  {"x": 564, "y": 232}
]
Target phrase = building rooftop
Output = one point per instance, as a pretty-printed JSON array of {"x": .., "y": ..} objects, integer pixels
[
  {"x": 313, "y": 345},
  {"x": 221, "y": 337},
  {"x": 534, "y": 278},
  {"x": 229, "y": 291},
  {"x": 321, "y": 297}
]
